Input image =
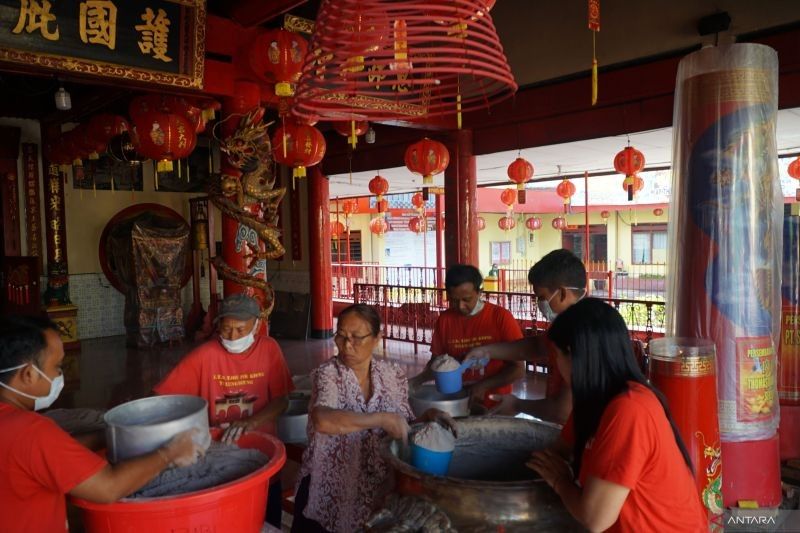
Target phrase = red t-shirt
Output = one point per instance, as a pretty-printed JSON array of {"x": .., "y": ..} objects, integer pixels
[
  {"x": 635, "y": 447},
  {"x": 555, "y": 381},
  {"x": 39, "y": 464},
  {"x": 455, "y": 334},
  {"x": 234, "y": 385}
]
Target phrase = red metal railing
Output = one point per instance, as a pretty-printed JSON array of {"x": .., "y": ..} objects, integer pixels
[
  {"x": 409, "y": 313},
  {"x": 346, "y": 275}
]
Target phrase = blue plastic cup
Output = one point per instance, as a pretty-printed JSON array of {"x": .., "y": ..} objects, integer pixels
[
  {"x": 448, "y": 382},
  {"x": 429, "y": 461}
]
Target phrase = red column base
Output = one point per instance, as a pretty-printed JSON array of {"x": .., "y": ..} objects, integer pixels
[
  {"x": 789, "y": 432},
  {"x": 751, "y": 471}
]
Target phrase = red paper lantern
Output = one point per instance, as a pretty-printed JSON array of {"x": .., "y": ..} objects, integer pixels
[
  {"x": 533, "y": 223},
  {"x": 480, "y": 222},
  {"x": 794, "y": 171},
  {"x": 507, "y": 223},
  {"x": 164, "y": 137},
  {"x": 427, "y": 158},
  {"x": 349, "y": 207},
  {"x": 658, "y": 211},
  {"x": 629, "y": 161},
  {"x": 298, "y": 146},
  {"x": 278, "y": 56},
  {"x": 417, "y": 224},
  {"x": 605, "y": 215},
  {"x": 352, "y": 130},
  {"x": 508, "y": 197},
  {"x": 559, "y": 223},
  {"x": 337, "y": 228},
  {"x": 378, "y": 186},
  {"x": 418, "y": 201},
  {"x": 566, "y": 189},
  {"x": 105, "y": 126},
  {"x": 633, "y": 183},
  {"x": 520, "y": 171},
  {"x": 378, "y": 226}
]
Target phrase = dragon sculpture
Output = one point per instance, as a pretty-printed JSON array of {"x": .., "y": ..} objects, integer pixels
[{"x": 247, "y": 194}]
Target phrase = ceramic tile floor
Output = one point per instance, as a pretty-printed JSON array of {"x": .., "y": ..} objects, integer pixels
[{"x": 106, "y": 373}]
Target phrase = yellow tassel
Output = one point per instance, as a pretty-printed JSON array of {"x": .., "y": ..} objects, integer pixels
[
  {"x": 210, "y": 162},
  {"x": 187, "y": 172},
  {"x": 353, "y": 138},
  {"x": 165, "y": 165},
  {"x": 179, "y": 168},
  {"x": 208, "y": 114},
  {"x": 155, "y": 177},
  {"x": 458, "y": 110},
  {"x": 94, "y": 156},
  {"x": 112, "y": 184},
  {"x": 284, "y": 141},
  {"x": 94, "y": 187},
  {"x": 594, "y": 71}
]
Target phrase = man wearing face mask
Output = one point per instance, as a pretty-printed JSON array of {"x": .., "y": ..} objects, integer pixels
[
  {"x": 241, "y": 374},
  {"x": 471, "y": 322},
  {"x": 39, "y": 462},
  {"x": 559, "y": 281}
]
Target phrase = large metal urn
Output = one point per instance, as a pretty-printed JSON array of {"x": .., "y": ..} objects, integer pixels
[{"x": 488, "y": 484}]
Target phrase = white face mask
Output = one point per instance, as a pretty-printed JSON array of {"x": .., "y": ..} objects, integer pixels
[
  {"x": 242, "y": 344},
  {"x": 477, "y": 309},
  {"x": 547, "y": 310},
  {"x": 40, "y": 402}
]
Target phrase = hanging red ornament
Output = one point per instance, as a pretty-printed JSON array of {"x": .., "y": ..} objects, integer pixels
[
  {"x": 163, "y": 137},
  {"x": 379, "y": 186},
  {"x": 794, "y": 172},
  {"x": 298, "y": 146},
  {"x": 633, "y": 183},
  {"x": 533, "y": 223},
  {"x": 352, "y": 130},
  {"x": 427, "y": 158},
  {"x": 417, "y": 224},
  {"x": 658, "y": 211},
  {"x": 337, "y": 228},
  {"x": 520, "y": 171},
  {"x": 480, "y": 222},
  {"x": 566, "y": 189},
  {"x": 507, "y": 223},
  {"x": 605, "y": 215},
  {"x": 349, "y": 207},
  {"x": 629, "y": 161},
  {"x": 378, "y": 226},
  {"x": 509, "y": 198},
  {"x": 277, "y": 55},
  {"x": 104, "y": 126},
  {"x": 559, "y": 223},
  {"x": 418, "y": 201},
  {"x": 382, "y": 206}
]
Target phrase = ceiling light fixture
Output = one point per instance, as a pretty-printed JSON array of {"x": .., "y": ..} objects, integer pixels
[{"x": 63, "y": 99}]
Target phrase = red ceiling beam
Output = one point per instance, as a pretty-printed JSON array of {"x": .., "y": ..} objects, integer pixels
[{"x": 250, "y": 13}]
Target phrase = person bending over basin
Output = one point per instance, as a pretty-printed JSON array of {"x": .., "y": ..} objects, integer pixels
[{"x": 356, "y": 400}]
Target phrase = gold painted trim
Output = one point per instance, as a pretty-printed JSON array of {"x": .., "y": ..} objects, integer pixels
[
  {"x": 685, "y": 366},
  {"x": 194, "y": 80},
  {"x": 298, "y": 24}
]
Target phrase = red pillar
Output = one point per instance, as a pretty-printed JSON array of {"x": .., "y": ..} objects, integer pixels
[
  {"x": 439, "y": 231},
  {"x": 319, "y": 243},
  {"x": 236, "y": 238},
  {"x": 460, "y": 184}
]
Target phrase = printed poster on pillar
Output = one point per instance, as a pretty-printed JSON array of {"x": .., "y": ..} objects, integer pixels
[{"x": 755, "y": 357}]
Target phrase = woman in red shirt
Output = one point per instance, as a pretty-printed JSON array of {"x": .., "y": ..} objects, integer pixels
[{"x": 632, "y": 470}]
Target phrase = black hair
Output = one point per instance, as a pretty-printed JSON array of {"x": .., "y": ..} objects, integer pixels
[
  {"x": 459, "y": 274},
  {"x": 367, "y": 312},
  {"x": 595, "y": 338},
  {"x": 559, "y": 268},
  {"x": 22, "y": 341}
]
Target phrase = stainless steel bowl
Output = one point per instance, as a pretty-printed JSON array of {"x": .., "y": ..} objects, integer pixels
[
  {"x": 488, "y": 482},
  {"x": 292, "y": 424},
  {"x": 426, "y": 396},
  {"x": 141, "y": 426}
]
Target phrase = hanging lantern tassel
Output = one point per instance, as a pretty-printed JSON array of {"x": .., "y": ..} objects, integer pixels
[
  {"x": 112, "y": 184},
  {"x": 208, "y": 114},
  {"x": 94, "y": 187},
  {"x": 155, "y": 177},
  {"x": 594, "y": 26},
  {"x": 283, "y": 129},
  {"x": 594, "y": 73},
  {"x": 629, "y": 182},
  {"x": 458, "y": 110},
  {"x": 188, "y": 178},
  {"x": 353, "y": 137},
  {"x": 210, "y": 162},
  {"x": 566, "y": 205}
]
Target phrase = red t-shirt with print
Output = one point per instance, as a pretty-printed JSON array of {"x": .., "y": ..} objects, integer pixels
[
  {"x": 634, "y": 446},
  {"x": 455, "y": 334},
  {"x": 40, "y": 464},
  {"x": 235, "y": 386}
]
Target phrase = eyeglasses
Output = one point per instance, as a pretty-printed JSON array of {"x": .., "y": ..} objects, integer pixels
[{"x": 355, "y": 340}]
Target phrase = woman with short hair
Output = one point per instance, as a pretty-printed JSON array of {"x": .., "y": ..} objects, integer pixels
[
  {"x": 356, "y": 400},
  {"x": 632, "y": 470}
]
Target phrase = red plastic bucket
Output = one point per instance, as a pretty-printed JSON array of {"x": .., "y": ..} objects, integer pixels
[{"x": 235, "y": 507}]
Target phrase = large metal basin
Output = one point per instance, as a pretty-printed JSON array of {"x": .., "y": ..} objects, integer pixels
[
  {"x": 292, "y": 424},
  {"x": 141, "y": 426},
  {"x": 426, "y": 396},
  {"x": 488, "y": 483}
]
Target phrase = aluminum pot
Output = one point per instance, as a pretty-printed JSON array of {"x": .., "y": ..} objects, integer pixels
[
  {"x": 141, "y": 426},
  {"x": 488, "y": 483},
  {"x": 426, "y": 396},
  {"x": 292, "y": 424}
]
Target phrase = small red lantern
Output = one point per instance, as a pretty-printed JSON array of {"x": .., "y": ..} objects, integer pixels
[
  {"x": 352, "y": 130},
  {"x": 533, "y": 223},
  {"x": 658, "y": 211},
  {"x": 520, "y": 171},
  {"x": 163, "y": 137},
  {"x": 417, "y": 224},
  {"x": 379, "y": 186},
  {"x": 278, "y": 55},
  {"x": 337, "y": 228},
  {"x": 509, "y": 198},
  {"x": 427, "y": 158},
  {"x": 105, "y": 126},
  {"x": 480, "y": 222},
  {"x": 304, "y": 147},
  {"x": 629, "y": 161},
  {"x": 632, "y": 183},
  {"x": 605, "y": 215},
  {"x": 794, "y": 171},
  {"x": 378, "y": 226},
  {"x": 559, "y": 223},
  {"x": 507, "y": 223},
  {"x": 349, "y": 207},
  {"x": 566, "y": 189},
  {"x": 382, "y": 206},
  {"x": 418, "y": 201}
]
